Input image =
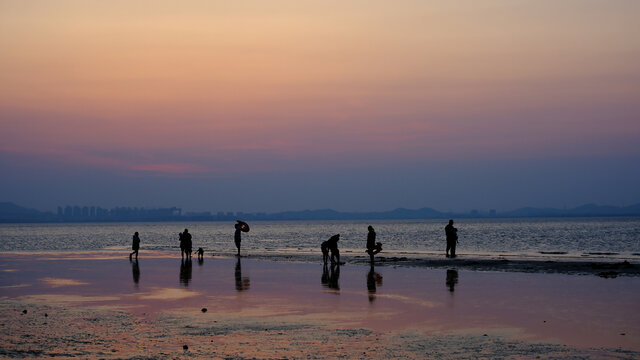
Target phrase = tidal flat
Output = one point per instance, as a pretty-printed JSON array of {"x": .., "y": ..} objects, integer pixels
[{"x": 102, "y": 305}]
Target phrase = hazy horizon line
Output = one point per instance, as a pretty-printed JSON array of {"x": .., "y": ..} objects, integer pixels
[{"x": 448, "y": 211}]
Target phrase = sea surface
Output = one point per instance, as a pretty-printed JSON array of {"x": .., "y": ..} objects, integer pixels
[{"x": 598, "y": 238}]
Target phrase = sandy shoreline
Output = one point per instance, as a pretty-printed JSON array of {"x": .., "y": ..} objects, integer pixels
[{"x": 100, "y": 305}]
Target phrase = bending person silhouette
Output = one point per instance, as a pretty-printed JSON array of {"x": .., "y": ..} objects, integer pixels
[
  {"x": 452, "y": 239},
  {"x": 331, "y": 245},
  {"x": 325, "y": 252},
  {"x": 200, "y": 253},
  {"x": 135, "y": 246}
]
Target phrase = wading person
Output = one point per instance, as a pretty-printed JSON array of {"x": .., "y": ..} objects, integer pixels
[{"x": 452, "y": 239}]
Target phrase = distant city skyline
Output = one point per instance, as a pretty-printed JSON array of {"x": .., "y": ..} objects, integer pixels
[
  {"x": 286, "y": 105},
  {"x": 13, "y": 213}
]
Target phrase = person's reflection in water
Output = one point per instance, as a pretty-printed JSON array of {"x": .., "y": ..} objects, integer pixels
[
  {"x": 135, "y": 270},
  {"x": 452, "y": 279},
  {"x": 185, "y": 271},
  {"x": 242, "y": 283},
  {"x": 324, "y": 280},
  {"x": 334, "y": 276},
  {"x": 373, "y": 281}
]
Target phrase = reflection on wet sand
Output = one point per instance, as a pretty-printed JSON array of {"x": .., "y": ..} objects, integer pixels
[
  {"x": 582, "y": 310},
  {"x": 135, "y": 271},
  {"x": 168, "y": 294},
  {"x": 185, "y": 271},
  {"x": 242, "y": 283},
  {"x": 452, "y": 279},
  {"x": 58, "y": 282},
  {"x": 373, "y": 281},
  {"x": 331, "y": 277}
]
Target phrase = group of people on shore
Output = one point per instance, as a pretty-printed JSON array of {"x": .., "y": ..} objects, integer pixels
[
  {"x": 327, "y": 247},
  {"x": 331, "y": 245}
]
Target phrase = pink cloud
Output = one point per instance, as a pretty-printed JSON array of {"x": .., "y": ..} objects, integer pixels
[{"x": 56, "y": 155}]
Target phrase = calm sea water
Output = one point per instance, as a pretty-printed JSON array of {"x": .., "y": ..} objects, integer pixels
[{"x": 585, "y": 237}]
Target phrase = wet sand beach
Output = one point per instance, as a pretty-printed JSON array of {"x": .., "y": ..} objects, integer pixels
[{"x": 101, "y": 305}]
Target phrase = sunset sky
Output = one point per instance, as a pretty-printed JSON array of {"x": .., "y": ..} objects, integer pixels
[{"x": 351, "y": 105}]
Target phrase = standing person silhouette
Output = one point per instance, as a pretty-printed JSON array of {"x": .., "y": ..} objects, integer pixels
[
  {"x": 237, "y": 237},
  {"x": 135, "y": 246},
  {"x": 182, "y": 244},
  {"x": 240, "y": 227},
  {"x": 452, "y": 239},
  {"x": 371, "y": 243},
  {"x": 187, "y": 243}
]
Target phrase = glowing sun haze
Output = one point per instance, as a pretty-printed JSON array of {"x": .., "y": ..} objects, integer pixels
[{"x": 208, "y": 89}]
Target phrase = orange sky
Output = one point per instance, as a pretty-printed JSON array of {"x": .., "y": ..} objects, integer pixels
[{"x": 122, "y": 83}]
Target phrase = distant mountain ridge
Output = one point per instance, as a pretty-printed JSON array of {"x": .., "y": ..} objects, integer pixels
[{"x": 12, "y": 213}]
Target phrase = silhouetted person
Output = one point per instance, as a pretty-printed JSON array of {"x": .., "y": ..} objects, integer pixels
[
  {"x": 237, "y": 236},
  {"x": 372, "y": 246},
  {"x": 325, "y": 252},
  {"x": 182, "y": 244},
  {"x": 135, "y": 271},
  {"x": 135, "y": 246},
  {"x": 185, "y": 271},
  {"x": 242, "y": 283},
  {"x": 200, "y": 253},
  {"x": 373, "y": 279},
  {"x": 452, "y": 239},
  {"x": 188, "y": 244},
  {"x": 332, "y": 245},
  {"x": 452, "y": 279}
]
